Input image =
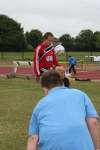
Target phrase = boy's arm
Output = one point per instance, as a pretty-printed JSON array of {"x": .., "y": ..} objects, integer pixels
[
  {"x": 32, "y": 142},
  {"x": 36, "y": 62},
  {"x": 93, "y": 126}
]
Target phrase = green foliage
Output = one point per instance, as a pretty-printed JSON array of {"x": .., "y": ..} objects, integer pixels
[
  {"x": 84, "y": 41},
  {"x": 66, "y": 41},
  {"x": 11, "y": 35},
  {"x": 97, "y": 40},
  {"x": 12, "y": 38},
  {"x": 34, "y": 37},
  {"x": 29, "y": 47}
]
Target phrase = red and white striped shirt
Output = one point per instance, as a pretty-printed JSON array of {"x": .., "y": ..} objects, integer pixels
[{"x": 44, "y": 58}]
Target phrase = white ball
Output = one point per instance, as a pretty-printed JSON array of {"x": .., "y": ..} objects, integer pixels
[{"x": 59, "y": 49}]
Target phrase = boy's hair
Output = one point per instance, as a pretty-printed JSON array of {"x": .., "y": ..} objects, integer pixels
[
  {"x": 47, "y": 34},
  {"x": 51, "y": 79}
]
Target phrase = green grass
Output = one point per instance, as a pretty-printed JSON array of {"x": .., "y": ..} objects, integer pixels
[
  {"x": 29, "y": 55},
  {"x": 17, "y": 99},
  {"x": 93, "y": 91},
  {"x": 10, "y": 56}
]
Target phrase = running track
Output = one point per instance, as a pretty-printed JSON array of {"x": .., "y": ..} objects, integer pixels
[{"x": 94, "y": 75}]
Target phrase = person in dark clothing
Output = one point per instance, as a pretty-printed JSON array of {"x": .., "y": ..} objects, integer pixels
[{"x": 72, "y": 63}]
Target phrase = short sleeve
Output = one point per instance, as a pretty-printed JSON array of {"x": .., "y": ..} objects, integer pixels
[
  {"x": 89, "y": 108},
  {"x": 33, "y": 125}
]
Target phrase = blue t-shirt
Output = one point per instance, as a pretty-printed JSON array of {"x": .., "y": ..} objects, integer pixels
[
  {"x": 59, "y": 120},
  {"x": 72, "y": 61}
]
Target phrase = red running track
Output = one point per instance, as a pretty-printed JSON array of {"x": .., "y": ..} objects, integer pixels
[
  {"x": 94, "y": 75},
  {"x": 20, "y": 70}
]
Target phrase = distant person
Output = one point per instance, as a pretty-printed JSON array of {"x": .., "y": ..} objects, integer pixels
[
  {"x": 72, "y": 63},
  {"x": 44, "y": 55},
  {"x": 65, "y": 119}
]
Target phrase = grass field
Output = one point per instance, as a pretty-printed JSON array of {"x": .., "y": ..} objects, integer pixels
[
  {"x": 17, "y": 99},
  {"x": 29, "y": 55}
]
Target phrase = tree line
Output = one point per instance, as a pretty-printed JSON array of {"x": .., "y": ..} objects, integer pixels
[{"x": 13, "y": 38}]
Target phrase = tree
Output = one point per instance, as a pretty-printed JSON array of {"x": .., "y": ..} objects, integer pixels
[
  {"x": 97, "y": 40},
  {"x": 66, "y": 41},
  {"x": 85, "y": 40},
  {"x": 34, "y": 37},
  {"x": 11, "y": 35}
]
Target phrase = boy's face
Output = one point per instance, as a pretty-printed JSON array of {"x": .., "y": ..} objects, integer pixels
[{"x": 49, "y": 40}]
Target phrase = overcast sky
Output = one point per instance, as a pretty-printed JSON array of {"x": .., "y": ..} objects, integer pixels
[{"x": 56, "y": 16}]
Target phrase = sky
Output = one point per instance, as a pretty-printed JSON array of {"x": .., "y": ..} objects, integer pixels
[{"x": 56, "y": 16}]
